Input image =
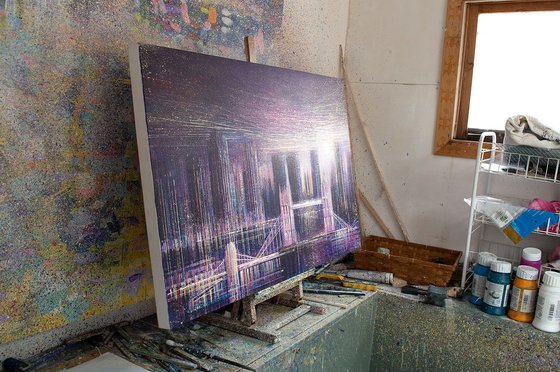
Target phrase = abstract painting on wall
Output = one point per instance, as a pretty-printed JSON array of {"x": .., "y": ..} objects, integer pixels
[{"x": 246, "y": 175}]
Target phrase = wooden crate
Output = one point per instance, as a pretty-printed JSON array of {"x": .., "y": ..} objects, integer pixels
[{"x": 415, "y": 263}]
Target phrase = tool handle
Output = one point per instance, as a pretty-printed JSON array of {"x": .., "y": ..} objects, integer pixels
[
  {"x": 330, "y": 276},
  {"x": 412, "y": 290}
]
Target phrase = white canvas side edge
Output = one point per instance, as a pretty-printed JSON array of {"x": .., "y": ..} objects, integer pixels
[{"x": 154, "y": 241}]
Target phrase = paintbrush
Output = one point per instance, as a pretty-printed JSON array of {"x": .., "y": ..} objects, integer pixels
[
  {"x": 150, "y": 354},
  {"x": 182, "y": 353},
  {"x": 201, "y": 353}
]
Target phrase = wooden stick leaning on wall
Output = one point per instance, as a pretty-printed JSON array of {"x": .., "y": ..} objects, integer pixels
[
  {"x": 374, "y": 213},
  {"x": 361, "y": 196},
  {"x": 250, "y": 51},
  {"x": 373, "y": 153}
]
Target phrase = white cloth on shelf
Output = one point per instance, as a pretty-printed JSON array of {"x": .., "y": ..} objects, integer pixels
[{"x": 523, "y": 130}]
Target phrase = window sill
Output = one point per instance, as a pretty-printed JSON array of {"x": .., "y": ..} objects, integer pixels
[{"x": 457, "y": 148}]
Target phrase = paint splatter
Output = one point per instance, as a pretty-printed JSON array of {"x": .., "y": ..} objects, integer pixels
[{"x": 72, "y": 229}]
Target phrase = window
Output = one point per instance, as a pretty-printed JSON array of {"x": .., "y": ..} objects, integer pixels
[{"x": 500, "y": 59}]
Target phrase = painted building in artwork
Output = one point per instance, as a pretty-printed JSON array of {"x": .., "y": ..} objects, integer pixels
[
  {"x": 248, "y": 188},
  {"x": 256, "y": 232},
  {"x": 232, "y": 270}
]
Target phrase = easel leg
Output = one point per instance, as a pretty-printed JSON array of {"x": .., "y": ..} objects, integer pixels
[
  {"x": 235, "y": 310},
  {"x": 249, "y": 316},
  {"x": 297, "y": 292}
]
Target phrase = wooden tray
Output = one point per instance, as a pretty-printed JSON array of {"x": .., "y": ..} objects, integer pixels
[{"x": 415, "y": 263}]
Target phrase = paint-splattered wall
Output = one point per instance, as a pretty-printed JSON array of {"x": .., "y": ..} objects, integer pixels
[{"x": 72, "y": 235}]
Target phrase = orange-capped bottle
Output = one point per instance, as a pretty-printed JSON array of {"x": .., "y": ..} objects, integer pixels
[{"x": 524, "y": 294}]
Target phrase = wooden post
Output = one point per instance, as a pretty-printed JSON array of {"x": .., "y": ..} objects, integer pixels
[
  {"x": 297, "y": 292},
  {"x": 250, "y": 49},
  {"x": 374, "y": 214},
  {"x": 372, "y": 151}
]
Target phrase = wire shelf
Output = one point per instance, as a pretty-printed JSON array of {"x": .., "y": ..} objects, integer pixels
[
  {"x": 521, "y": 161},
  {"x": 535, "y": 164}
]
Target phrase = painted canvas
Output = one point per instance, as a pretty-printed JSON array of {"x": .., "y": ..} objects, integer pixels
[{"x": 246, "y": 175}]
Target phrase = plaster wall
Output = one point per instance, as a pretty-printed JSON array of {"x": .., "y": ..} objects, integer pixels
[
  {"x": 308, "y": 40},
  {"x": 393, "y": 59}
]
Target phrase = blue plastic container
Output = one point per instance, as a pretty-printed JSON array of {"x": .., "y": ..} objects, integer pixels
[
  {"x": 497, "y": 288},
  {"x": 481, "y": 270}
]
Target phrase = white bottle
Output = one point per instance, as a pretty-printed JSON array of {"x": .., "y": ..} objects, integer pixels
[{"x": 547, "y": 315}]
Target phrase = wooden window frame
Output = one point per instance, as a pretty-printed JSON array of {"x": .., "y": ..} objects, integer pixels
[{"x": 452, "y": 135}]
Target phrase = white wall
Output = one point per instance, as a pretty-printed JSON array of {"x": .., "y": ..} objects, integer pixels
[{"x": 393, "y": 58}]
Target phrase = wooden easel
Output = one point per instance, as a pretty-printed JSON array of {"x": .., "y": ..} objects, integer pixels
[
  {"x": 244, "y": 313},
  {"x": 287, "y": 293}
]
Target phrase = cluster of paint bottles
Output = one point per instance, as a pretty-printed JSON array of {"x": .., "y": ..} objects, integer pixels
[{"x": 492, "y": 284}]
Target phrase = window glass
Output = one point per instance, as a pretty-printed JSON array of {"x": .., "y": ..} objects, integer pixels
[{"x": 516, "y": 69}]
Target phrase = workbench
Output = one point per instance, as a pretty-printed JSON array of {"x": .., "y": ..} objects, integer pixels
[
  {"x": 377, "y": 332},
  {"x": 338, "y": 340}
]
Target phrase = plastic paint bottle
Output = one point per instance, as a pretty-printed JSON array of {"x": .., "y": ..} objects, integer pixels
[
  {"x": 497, "y": 288},
  {"x": 481, "y": 270},
  {"x": 547, "y": 315},
  {"x": 524, "y": 294},
  {"x": 531, "y": 257}
]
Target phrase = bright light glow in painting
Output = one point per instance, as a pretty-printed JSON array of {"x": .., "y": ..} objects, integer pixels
[{"x": 252, "y": 175}]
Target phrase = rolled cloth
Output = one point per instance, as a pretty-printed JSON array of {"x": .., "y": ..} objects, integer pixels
[{"x": 523, "y": 130}]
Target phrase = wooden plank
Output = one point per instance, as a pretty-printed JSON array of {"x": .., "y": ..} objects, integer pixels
[
  {"x": 276, "y": 289},
  {"x": 250, "y": 50},
  {"x": 249, "y": 304},
  {"x": 289, "y": 317},
  {"x": 291, "y": 303},
  {"x": 249, "y": 311},
  {"x": 234, "y": 326},
  {"x": 374, "y": 213},
  {"x": 373, "y": 154},
  {"x": 321, "y": 301},
  {"x": 443, "y": 144},
  {"x": 380, "y": 171}
]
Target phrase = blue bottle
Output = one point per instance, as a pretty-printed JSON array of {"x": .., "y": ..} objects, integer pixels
[
  {"x": 497, "y": 288},
  {"x": 481, "y": 270}
]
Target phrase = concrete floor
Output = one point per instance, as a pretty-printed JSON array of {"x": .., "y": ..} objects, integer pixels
[{"x": 412, "y": 336}]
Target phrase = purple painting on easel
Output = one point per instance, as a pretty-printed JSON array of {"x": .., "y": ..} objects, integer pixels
[{"x": 246, "y": 173}]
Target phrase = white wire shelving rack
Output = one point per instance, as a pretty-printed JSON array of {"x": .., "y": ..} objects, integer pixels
[{"x": 494, "y": 159}]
